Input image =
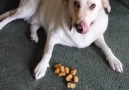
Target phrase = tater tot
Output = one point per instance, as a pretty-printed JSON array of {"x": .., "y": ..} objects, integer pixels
[
  {"x": 69, "y": 77},
  {"x": 73, "y": 72}
]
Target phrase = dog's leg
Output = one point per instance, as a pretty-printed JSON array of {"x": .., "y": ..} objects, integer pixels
[
  {"x": 34, "y": 27},
  {"x": 114, "y": 62},
  {"x": 9, "y": 19},
  {"x": 33, "y": 30},
  {"x": 41, "y": 68},
  {"x": 7, "y": 14}
]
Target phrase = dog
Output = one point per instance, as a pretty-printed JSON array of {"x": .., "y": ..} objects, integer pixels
[{"x": 74, "y": 23}]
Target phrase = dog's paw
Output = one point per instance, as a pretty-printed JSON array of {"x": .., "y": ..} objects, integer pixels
[
  {"x": 40, "y": 70},
  {"x": 116, "y": 65},
  {"x": 34, "y": 38}
]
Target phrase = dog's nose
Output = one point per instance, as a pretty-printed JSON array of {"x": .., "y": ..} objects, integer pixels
[{"x": 79, "y": 28}]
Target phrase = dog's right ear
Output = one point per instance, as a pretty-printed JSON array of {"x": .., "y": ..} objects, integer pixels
[{"x": 106, "y": 5}]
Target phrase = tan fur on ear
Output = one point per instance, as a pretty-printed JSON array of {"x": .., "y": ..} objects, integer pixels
[{"x": 106, "y": 5}]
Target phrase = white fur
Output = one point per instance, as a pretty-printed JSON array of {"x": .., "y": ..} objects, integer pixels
[
  {"x": 55, "y": 17},
  {"x": 26, "y": 9}
]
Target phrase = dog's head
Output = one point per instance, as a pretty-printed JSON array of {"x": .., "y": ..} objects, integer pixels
[{"x": 84, "y": 12}]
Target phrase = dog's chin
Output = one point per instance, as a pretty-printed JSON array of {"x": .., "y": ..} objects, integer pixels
[
  {"x": 84, "y": 31},
  {"x": 73, "y": 29}
]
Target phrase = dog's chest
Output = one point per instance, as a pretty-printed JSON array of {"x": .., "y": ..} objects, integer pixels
[
  {"x": 81, "y": 42},
  {"x": 74, "y": 39}
]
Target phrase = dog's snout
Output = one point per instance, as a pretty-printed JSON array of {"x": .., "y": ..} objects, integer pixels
[{"x": 79, "y": 28}]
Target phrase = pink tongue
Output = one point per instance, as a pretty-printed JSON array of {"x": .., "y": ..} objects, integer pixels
[{"x": 85, "y": 27}]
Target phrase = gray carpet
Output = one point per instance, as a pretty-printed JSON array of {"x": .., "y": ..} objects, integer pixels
[{"x": 18, "y": 56}]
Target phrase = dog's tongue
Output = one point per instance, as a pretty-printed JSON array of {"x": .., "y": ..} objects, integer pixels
[{"x": 85, "y": 27}]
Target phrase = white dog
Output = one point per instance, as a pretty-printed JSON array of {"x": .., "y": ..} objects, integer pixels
[{"x": 74, "y": 23}]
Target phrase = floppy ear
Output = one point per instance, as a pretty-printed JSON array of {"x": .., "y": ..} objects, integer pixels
[{"x": 106, "y": 5}]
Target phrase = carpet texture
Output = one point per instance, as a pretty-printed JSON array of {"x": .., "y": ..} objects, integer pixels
[{"x": 19, "y": 56}]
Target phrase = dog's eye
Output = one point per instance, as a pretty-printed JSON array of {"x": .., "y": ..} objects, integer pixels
[
  {"x": 92, "y": 6},
  {"x": 76, "y": 5}
]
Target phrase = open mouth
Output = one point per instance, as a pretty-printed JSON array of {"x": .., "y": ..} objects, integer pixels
[{"x": 81, "y": 27}]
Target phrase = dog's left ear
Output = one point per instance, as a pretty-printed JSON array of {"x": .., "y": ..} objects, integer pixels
[{"x": 106, "y": 5}]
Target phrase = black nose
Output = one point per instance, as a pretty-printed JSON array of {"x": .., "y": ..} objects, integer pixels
[{"x": 78, "y": 28}]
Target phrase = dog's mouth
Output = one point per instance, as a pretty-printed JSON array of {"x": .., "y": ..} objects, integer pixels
[{"x": 82, "y": 27}]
